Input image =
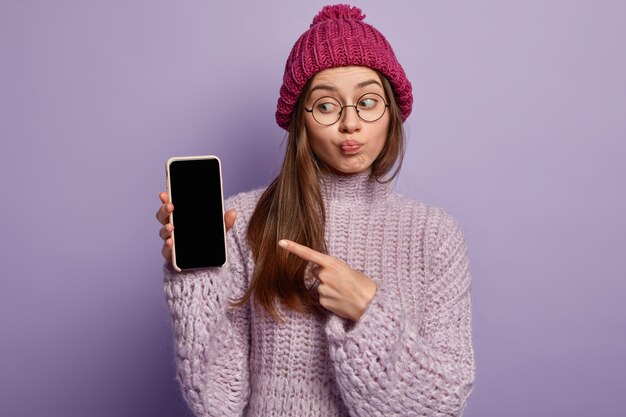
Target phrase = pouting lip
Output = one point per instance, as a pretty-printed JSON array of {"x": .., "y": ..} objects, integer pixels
[
  {"x": 350, "y": 147},
  {"x": 350, "y": 142}
]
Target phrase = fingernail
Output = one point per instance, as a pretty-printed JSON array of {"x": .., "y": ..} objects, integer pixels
[{"x": 282, "y": 243}]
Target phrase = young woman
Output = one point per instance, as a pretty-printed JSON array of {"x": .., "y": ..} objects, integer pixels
[{"x": 340, "y": 297}]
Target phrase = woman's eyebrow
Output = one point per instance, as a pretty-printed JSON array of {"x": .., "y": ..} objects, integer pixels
[
  {"x": 369, "y": 82},
  {"x": 323, "y": 87}
]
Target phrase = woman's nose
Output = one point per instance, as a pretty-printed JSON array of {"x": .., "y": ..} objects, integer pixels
[{"x": 349, "y": 120}]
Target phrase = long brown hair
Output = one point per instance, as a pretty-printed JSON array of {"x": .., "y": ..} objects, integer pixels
[{"x": 292, "y": 208}]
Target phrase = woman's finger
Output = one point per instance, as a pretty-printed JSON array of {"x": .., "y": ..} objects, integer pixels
[
  {"x": 229, "y": 219},
  {"x": 166, "y": 251},
  {"x": 306, "y": 253},
  {"x": 166, "y": 231},
  {"x": 163, "y": 214}
]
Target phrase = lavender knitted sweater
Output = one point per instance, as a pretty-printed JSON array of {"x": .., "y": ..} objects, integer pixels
[{"x": 410, "y": 354}]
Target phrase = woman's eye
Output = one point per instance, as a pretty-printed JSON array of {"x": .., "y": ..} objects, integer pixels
[
  {"x": 367, "y": 103},
  {"x": 326, "y": 107}
]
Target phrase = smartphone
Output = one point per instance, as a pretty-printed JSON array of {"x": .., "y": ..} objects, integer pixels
[{"x": 194, "y": 186}]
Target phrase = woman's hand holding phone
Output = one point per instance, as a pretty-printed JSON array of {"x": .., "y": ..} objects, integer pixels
[{"x": 163, "y": 216}]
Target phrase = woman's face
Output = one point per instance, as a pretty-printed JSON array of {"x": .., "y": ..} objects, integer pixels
[{"x": 350, "y": 145}]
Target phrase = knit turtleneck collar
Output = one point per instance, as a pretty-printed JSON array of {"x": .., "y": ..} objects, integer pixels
[{"x": 356, "y": 187}]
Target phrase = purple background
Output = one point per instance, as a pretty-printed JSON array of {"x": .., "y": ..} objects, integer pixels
[{"x": 518, "y": 130}]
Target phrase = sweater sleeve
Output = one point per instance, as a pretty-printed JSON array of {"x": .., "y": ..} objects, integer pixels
[
  {"x": 392, "y": 363},
  {"x": 212, "y": 339}
]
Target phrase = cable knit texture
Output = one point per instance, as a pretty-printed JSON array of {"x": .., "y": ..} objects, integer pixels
[
  {"x": 410, "y": 354},
  {"x": 338, "y": 37}
]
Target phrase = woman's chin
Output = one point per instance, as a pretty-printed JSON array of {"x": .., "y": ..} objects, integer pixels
[{"x": 350, "y": 170}]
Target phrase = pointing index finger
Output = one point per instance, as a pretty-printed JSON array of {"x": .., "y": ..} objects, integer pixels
[{"x": 304, "y": 252}]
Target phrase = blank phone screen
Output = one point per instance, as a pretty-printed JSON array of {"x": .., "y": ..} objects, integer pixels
[{"x": 196, "y": 190}]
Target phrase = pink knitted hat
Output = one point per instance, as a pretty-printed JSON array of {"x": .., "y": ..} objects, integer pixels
[{"x": 338, "y": 37}]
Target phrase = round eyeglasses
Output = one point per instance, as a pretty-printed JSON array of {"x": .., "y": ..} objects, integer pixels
[{"x": 327, "y": 110}]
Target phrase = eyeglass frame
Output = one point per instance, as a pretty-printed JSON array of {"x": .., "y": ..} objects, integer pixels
[{"x": 347, "y": 105}]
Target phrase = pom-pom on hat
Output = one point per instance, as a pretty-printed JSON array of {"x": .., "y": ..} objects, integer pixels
[{"x": 338, "y": 37}]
